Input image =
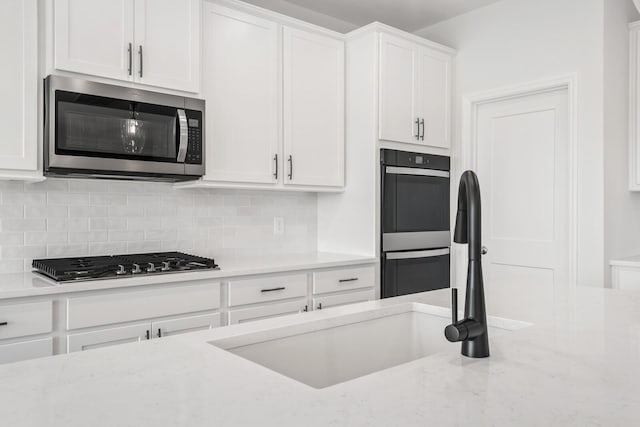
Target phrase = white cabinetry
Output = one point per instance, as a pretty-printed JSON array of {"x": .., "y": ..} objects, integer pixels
[
  {"x": 323, "y": 302},
  {"x": 343, "y": 286},
  {"x": 25, "y": 350},
  {"x": 154, "y": 42},
  {"x": 18, "y": 86},
  {"x": 241, "y": 88},
  {"x": 266, "y": 311},
  {"x": 634, "y": 107},
  {"x": 313, "y": 108},
  {"x": 415, "y": 93},
  {"x": 18, "y": 321},
  {"x": 275, "y": 103},
  {"x": 625, "y": 274}
]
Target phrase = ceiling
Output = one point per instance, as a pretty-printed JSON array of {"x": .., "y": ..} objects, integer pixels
[{"x": 409, "y": 15}]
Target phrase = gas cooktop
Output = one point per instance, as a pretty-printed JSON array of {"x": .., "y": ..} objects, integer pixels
[{"x": 64, "y": 270}]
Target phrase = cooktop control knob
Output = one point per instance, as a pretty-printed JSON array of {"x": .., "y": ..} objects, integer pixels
[
  {"x": 136, "y": 269},
  {"x": 121, "y": 270},
  {"x": 165, "y": 266},
  {"x": 151, "y": 267}
]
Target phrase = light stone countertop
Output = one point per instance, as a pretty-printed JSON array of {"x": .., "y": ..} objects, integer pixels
[
  {"x": 32, "y": 284},
  {"x": 578, "y": 365}
]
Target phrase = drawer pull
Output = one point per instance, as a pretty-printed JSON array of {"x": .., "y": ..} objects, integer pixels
[
  {"x": 282, "y": 288},
  {"x": 353, "y": 279},
  {"x": 159, "y": 332},
  {"x": 4, "y": 323}
]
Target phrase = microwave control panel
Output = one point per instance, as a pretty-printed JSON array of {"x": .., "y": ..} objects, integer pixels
[{"x": 194, "y": 150}]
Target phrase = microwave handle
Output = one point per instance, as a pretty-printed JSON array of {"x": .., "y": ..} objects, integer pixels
[
  {"x": 418, "y": 254},
  {"x": 183, "y": 132}
]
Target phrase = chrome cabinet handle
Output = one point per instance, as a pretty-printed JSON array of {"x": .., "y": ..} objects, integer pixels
[
  {"x": 130, "y": 51},
  {"x": 353, "y": 279},
  {"x": 4, "y": 323},
  {"x": 281, "y": 288},
  {"x": 184, "y": 136},
  {"x": 421, "y": 123},
  {"x": 140, "y": 54},
  {"x": 275, "y": 159},
  {"x": 290, "y": 167},
  {"x": 417, "y": 135}
]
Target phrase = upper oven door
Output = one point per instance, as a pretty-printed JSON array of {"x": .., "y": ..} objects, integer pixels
[
  {"x": 97, "y": 127},
  {"x": 415, "y": 208}
]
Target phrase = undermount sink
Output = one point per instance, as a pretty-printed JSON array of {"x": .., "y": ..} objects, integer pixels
[{"x": 329, "y": 351}]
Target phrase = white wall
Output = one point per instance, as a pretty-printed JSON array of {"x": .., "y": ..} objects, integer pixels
[
  {"x": 60, "y": 218},
  {"x": 518, "y": 41},
  {"x": 622, "y": 207}
]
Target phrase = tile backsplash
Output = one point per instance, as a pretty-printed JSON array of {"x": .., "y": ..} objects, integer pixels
[{"x": 60, "y": 218}]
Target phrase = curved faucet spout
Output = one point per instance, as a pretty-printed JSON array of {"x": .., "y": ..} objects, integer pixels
[{"x": 472, "y": 331}]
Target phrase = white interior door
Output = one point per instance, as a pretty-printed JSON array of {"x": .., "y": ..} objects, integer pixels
[
  {"x": 313, "y": 76},
  {"x": 241, "y": 86},
  {"x": 168, "y": 31},
  {"x": 93, "y": 37},
  {"x": 398, "y": 89},
  {"x": 523, "y": 163}
]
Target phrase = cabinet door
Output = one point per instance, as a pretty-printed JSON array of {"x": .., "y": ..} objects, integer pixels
[
  {"x": 435, "y": 98},
  {"x": 164, "y": 328},
  {"x": 167, "y": 43},
  {"x": 313, "y": 109},
  {"x": 26, "y": 350},
  {"x": 241, "y": 87},
  {"x": 108, "y": 337},
  {"x": 18, "y": 84},
  {"x": 320, "y": 303},
  {"x": 94, "y": 37},
  {"x": 398, "y": 89},
  {"x": 267, "y": 311}
]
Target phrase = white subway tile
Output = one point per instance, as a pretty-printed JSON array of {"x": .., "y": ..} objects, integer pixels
[
  {"x": 125, "y": 235},
  {"x": 145, "y": 201},
  {"x": 16, "y": 211},
  {"x": 53, "y": 185},
  {"x": 46, "y": 211},
  {"x": 143, "y": 223},
  {"x": 125, "y": 211},
  {"x": 88, "y": 236},
  {"x": 20, "y": 252},
  {"x": 161, "y": 234},
  {"x": 45, "y": 237},
  {"x": 88, "y": 186},
  {"x": 87, "y": 211},
  {"x": 108, "y": 199},
  {"x": 11, "y": 224},
  {"x": 147, "y": 246},
  {"x": 28, "y": 199},
  {"x": 11, "y": 266},
  {"x": 68, "y": 224},
  {"x": 11, "y": 238},
  {"x": 108, "y": 223},
  {"x": 112, "y": 248},
  {"x": 63, "y": 251},
  {"x": 69, "y": 199}
]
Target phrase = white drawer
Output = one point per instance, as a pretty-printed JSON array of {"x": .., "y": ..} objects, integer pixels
[
  {"x": 108, "y": 337},
  {"x": 263, "y": 289},
  {"x": 164, "y": 328},
  {"x": 266, "y": 311},
  {"x": 21, "y": 320},
  {"x": 26, "y": 350},
  {"x": 343, "y": 299},
  {"x": 344, "y": 279},
  {"x": 84, "y": 312},
  {"x": 626, "y": 278}
]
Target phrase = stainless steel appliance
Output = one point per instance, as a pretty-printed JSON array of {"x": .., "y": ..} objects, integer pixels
[
  {"x": 97, "y": 130},
  {"x": 64, "y": 270},
  {"x": 415, "y": 219}
]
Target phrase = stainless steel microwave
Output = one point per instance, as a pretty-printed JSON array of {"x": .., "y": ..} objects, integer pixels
[{"x": 95, "y": 130}]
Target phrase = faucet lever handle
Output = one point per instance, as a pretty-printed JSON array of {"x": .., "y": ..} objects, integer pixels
[{"x": 454, "y": 306}]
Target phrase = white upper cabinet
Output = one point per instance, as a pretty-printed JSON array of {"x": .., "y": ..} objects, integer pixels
[
  {"x": 398, "y": 89},
  {"x": 313, "y": 109},
  {"x": 241, "y": 88},
  {"x": 167, "y": 39},
  {"x": 18, "y": 86},
  {"x": 415, "y": 93},
  {"x": 94, "y": 37},
  {"x": 154, "y": 42}
]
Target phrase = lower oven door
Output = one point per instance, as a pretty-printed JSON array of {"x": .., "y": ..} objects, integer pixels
[{"x": 415, "y": 271}]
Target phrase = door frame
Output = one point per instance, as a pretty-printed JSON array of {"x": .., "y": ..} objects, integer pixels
[{"x": 469, "y": 148}]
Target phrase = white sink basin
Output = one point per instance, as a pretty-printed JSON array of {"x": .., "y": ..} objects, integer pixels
[{"x": 329, "y": 351}]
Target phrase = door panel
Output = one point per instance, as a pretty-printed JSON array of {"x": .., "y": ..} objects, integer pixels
[
  {"x": 313, "y": 76},
  {"x": 169, "y": 33},
  {"x": 108, "y": 337},
  {"x": 522, "y": 168},
  {"x": 164, "y": 328},
  {"x": 92, "y": 37},
  {"x": 240, "y": 63},
  {"x": 398, "y": 89},
  {"x": 18, "y": 84},
  {"x": 435, "y": 98}
]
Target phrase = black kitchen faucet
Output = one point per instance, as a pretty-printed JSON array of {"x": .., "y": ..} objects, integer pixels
[{"x": 472, "y": 331}]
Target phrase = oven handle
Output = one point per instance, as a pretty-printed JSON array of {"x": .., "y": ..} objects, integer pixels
[
  {"x": 418, "y": 254},
  {"x": 184, "y": 136},
  {"x": 415, "y": 171}
]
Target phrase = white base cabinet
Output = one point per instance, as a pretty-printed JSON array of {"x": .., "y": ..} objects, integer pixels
[
  {"x": 267, "y": 311},
  {"x": 26, "y": 350}
]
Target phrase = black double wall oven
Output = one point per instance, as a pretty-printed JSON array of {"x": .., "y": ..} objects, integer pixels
[{"x": 415, "y": 222}]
